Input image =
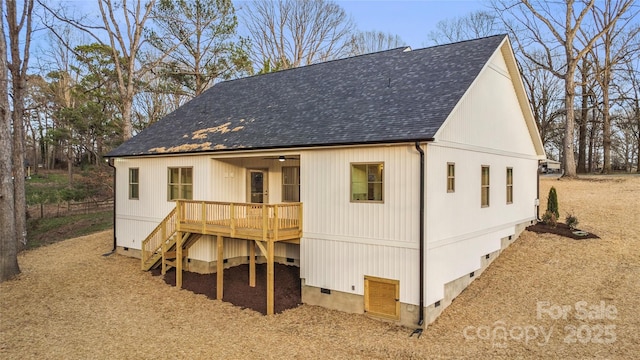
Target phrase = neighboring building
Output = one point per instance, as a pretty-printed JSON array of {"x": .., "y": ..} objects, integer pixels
[
  {"x": 550, "y": 166},
  {"x": 334, "y": 149}
]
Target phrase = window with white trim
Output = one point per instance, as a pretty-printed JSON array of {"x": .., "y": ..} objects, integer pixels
[
  {"x": 290, "y": 183},
  {"x": 484, "y": 187},
  {"x": 134, "y": 183},
  {"x": 509, "y": 185},
  {"x": 451, "y": 177},
  {"x": 180, "y": 183},
  {"x": 367, "y": 182}
]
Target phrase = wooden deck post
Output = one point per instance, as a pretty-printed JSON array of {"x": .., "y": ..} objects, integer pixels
[
  {"x": 300, "y": 218},
  {"x": 220, "y": 267},
  {"x": 276, "y": 222},
  {"x": 179, "y": 234},
  {"x": 232, "y": 219},
  {"x": 164, "y": 257},
  {"x": 265, "y": 222},
  {"x": 252, "y": 263},
  {"x": 204, "y": 217},
  {"x": 270, "y": 275}
]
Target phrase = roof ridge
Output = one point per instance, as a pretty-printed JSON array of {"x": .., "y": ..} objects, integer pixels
[
  {"x": 462, "y": 41},
  {"x": 402, "y": 48}
]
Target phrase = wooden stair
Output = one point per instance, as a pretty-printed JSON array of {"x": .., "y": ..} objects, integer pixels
[
  {"x": 156, "y": 258},
  {"x": 151, "y": 252},
  {"x": 168, "y": 256},
  {"x": 159, "y": 248}
]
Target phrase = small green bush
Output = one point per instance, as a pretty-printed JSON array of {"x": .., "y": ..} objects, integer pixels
[
  {"x": 550, "y": 218},
  {"x": 552, "y": 203},
  {"x": 571, "y": 221}
]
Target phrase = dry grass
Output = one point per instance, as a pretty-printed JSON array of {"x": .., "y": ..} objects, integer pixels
[{"x": 70, "y": 302}]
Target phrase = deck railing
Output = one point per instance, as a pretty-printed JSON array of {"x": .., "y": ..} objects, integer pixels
[
  {"x": 253, "y": 221},
  {"x": 153, "y": 243},
  {"x": 236, "y": 216}
]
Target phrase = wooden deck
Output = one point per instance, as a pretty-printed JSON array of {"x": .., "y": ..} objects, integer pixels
[{"x": 264, "y": 224}]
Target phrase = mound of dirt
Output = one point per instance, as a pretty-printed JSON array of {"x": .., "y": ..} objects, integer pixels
[{"x": 562, "y": 230}]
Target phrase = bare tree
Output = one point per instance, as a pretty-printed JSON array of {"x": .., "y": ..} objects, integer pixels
[
  {"x": 122, "y": 24},
  {"x": 629, "y": 86},
  {"x": 157, "y": 98},
  {"x": 563, "y": 22},
  {"x": 290, "y": 33},
  {"x": 19, "y": 30},
  {"x": 471, "y": 26},
  {"x": 373, "y": 41},
  {"x": 8, "y": 244},
  {"x": 545, "y": 94},
  {"x": 613, "y": 48}
]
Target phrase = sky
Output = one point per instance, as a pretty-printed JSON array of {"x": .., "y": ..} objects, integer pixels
[{"x": 412, "y": 20}]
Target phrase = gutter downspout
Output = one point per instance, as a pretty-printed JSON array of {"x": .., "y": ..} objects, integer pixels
[
  {"x": 421, "y": 247},
  {"x": 115, "y": 194},
  {"x": 538, "y": 192}
]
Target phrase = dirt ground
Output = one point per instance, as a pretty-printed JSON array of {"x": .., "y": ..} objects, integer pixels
[
  {"x": 546, "y": 296},
  {"x": 287, "y": 293}
]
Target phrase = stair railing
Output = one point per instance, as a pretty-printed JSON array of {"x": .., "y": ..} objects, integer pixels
[{"x": 153, "y": 243}]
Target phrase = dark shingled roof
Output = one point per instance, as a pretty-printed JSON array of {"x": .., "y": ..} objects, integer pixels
[{"x": 389, "y": 96}]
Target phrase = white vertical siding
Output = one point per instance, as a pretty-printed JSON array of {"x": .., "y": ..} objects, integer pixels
[
  {"x": 136, "y": 218},
  {"x": 342, "y": 265},
  {"x": 487, "y": 128},
  {"x": 325, "y": 193},
  {"x": 344, "y": 241},
  {"x": 489, "y": 115},
  {"x": 452, "y": 215}
]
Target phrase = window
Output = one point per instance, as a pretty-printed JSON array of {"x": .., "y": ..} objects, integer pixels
[
  {"x": 451, "y": 177},
  {"x": 509, "y": 185},
  {"x": 180, "y": 184},
  {"x": 484, "y": 189},
  {"x": 366, "y": 182},
  {"x": 291, "y": 183},
  {"x": 134, "y": 183}
]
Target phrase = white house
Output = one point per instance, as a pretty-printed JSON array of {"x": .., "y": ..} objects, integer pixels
[{"x": 391, "y": 179}]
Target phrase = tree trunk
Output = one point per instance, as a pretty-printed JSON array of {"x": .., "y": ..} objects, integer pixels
[
  {"x": 584, "y": 113},
  {"x": 18, "y": 68},
  {"x": 592, "y": 140},
  {"x": 638, "y": 157},
  {"x": 20, "y": 207},
  {"x": 70, "y": 164},
  {"x": 582, "y": 137},
  {"x": 127, "y": 126},
  {"x": 569, "y": 157},
  {"x": 8, "y": 244},
  {"x": 637, "y": 114},
  {"x": 606, "y": 133}
]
